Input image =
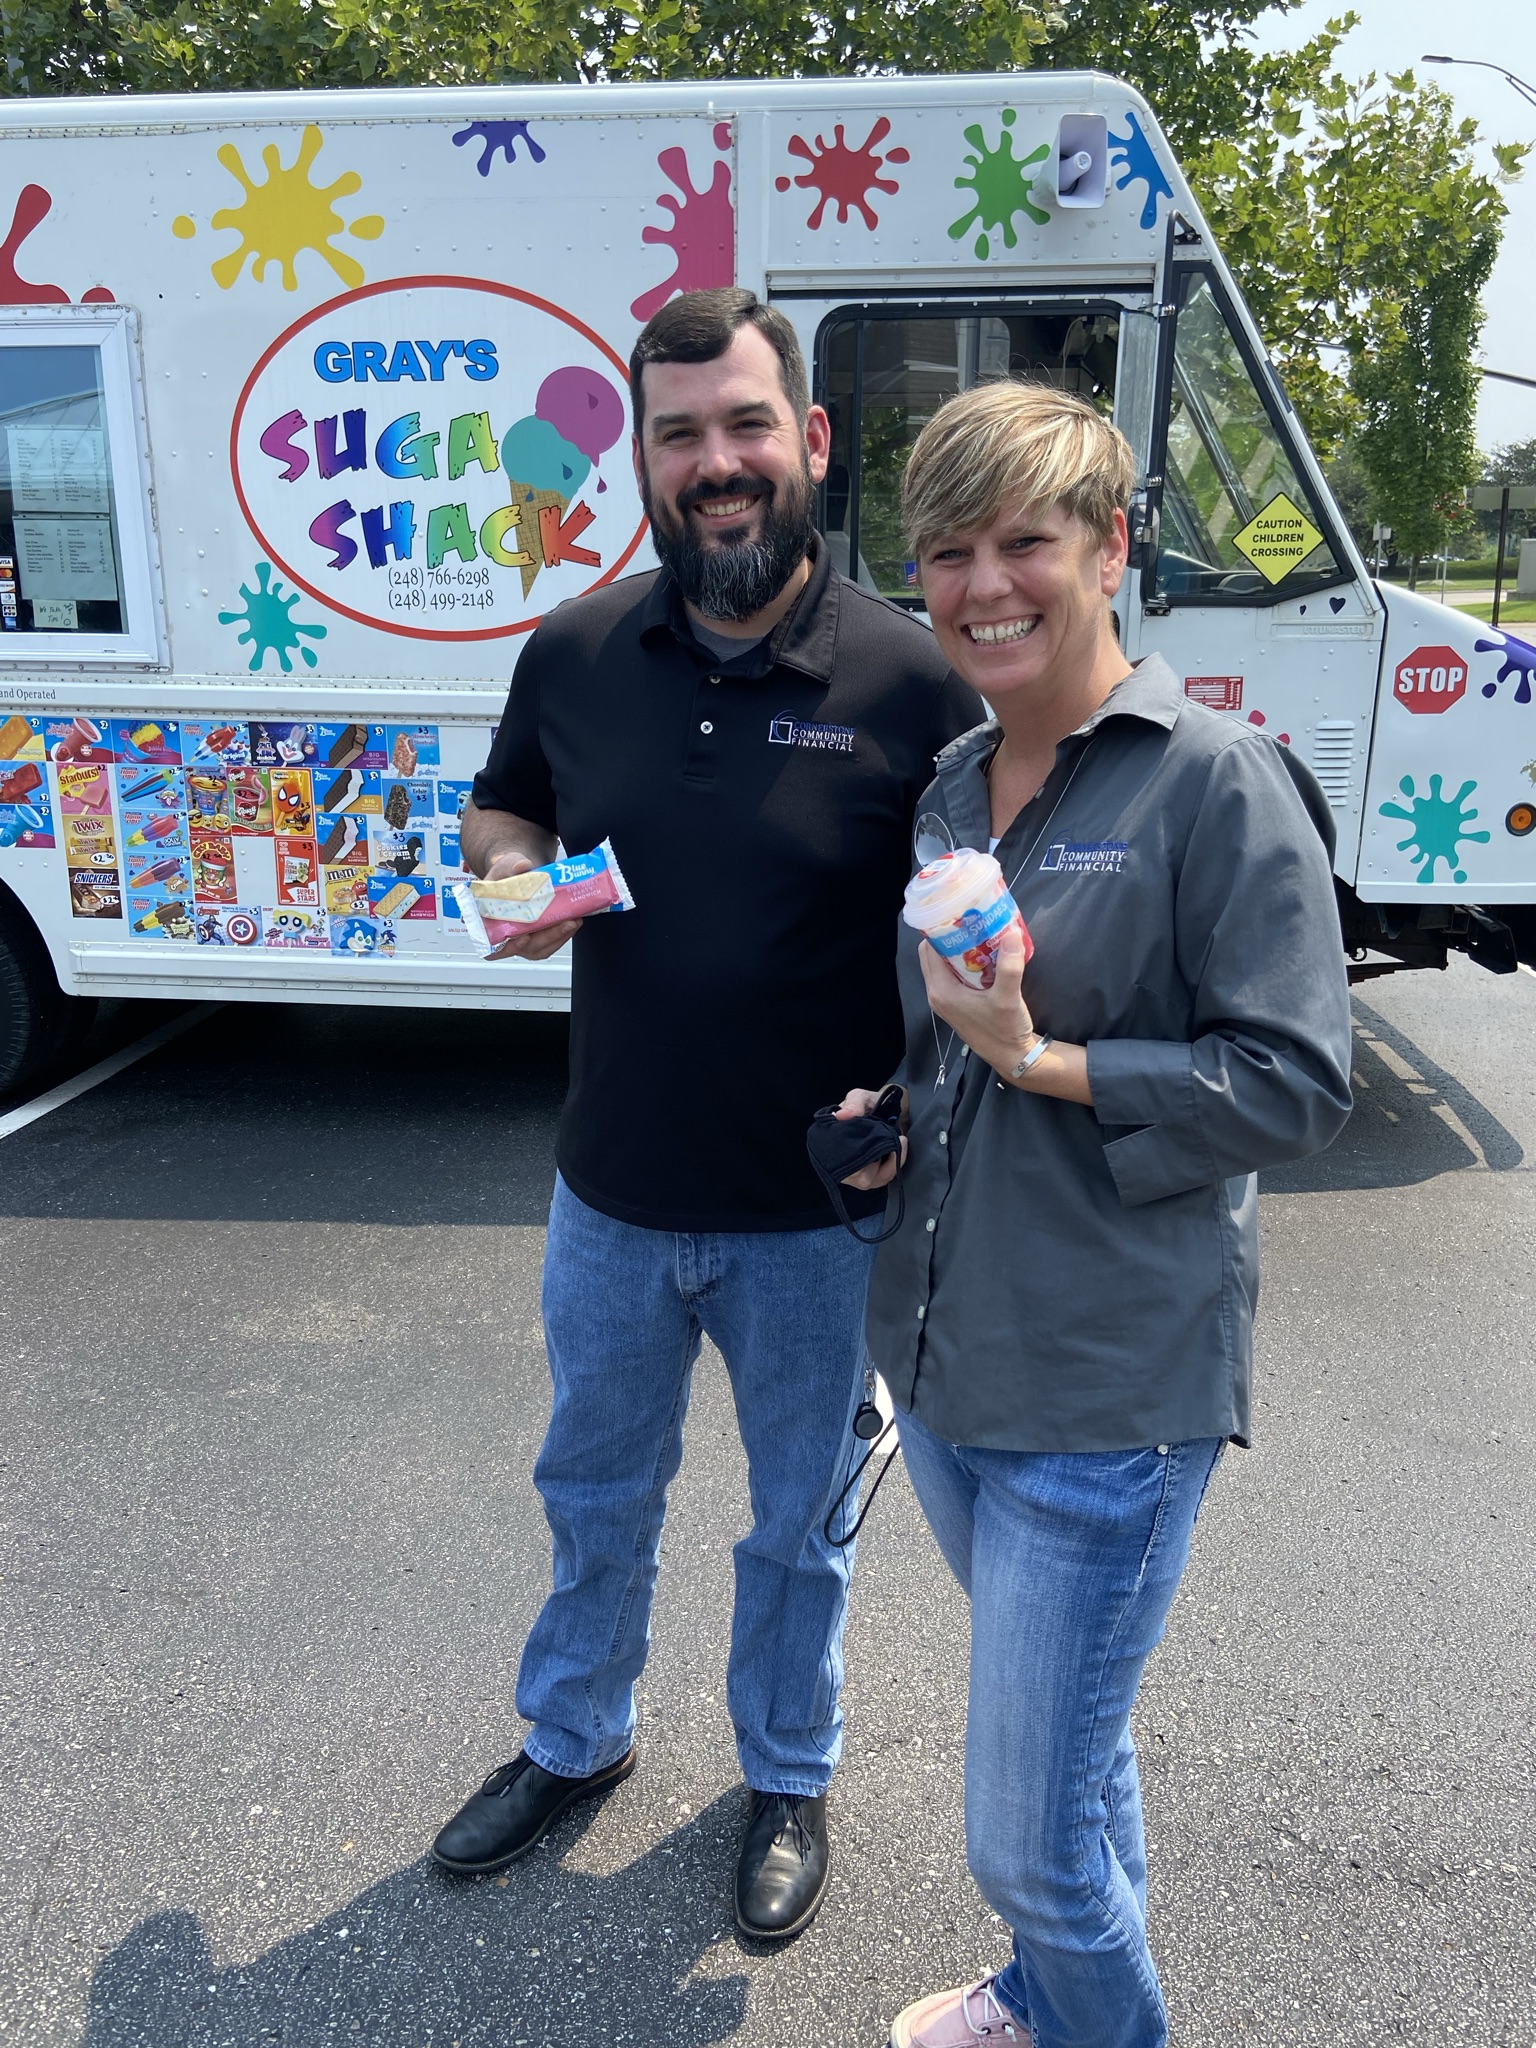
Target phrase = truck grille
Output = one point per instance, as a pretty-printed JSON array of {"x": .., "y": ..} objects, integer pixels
[{"x": 1333, "y": 748}]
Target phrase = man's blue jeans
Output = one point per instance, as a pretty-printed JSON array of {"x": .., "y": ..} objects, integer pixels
[
  {"x": 1071, "y": 1562},
  {"x": 624, "y": 1310}
]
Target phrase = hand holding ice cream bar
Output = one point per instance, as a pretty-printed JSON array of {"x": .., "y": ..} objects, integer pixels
[{"x": 577, "y": 887}]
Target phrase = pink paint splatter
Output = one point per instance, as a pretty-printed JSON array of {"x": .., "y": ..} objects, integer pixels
[
  {"x": 1258, "y": 718},
  {"x": 33, "y": 206},
  {"x": 702, "y": 233},
  {"x": 843, "y": 176}
]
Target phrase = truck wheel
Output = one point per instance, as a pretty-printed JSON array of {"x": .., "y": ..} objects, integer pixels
[{"x": 39, "y": 1025}]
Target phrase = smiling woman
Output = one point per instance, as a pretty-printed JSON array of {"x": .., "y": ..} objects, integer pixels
[{"x": 1064, "y": 1317}]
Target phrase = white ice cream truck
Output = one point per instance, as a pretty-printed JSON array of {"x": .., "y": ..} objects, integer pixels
[{"x": 311, "y": 404}]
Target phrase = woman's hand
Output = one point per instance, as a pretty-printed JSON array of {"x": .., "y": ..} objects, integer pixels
[
  {"x": 861, "y": 1102},
  {"x": 994, "y": 1022}
]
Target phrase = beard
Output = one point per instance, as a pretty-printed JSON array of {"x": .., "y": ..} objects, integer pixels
[{"x": 733, "y": 577}]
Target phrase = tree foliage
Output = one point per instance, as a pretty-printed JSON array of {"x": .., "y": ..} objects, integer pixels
[{"x": 1354, "y": 214}]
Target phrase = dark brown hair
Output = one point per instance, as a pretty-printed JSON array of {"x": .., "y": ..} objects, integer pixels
[{"x": 699, "y": 327}]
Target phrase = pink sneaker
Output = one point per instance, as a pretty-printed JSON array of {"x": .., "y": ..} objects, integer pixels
[{"x": 962, "y": 2018}]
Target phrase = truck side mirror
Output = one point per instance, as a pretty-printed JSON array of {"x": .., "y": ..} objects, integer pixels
[{"x": 1082, "y": 160}]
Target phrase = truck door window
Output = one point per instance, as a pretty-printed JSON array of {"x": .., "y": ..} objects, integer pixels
[
  {"x": 1239, "y": 524},
  {"x": 74, "y": 566},
  {"x": 883, "y": 375}
]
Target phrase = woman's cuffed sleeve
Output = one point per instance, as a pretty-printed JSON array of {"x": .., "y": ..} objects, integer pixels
[{"x": 1265, "y": 1077}]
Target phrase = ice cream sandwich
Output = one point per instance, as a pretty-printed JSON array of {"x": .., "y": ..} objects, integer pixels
[
  {"x": 345, "y": 787},
  {"x": 348, "y": 745}
]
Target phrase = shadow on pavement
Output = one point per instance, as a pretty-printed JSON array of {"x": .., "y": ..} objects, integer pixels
[
  {"x": 312, "y": 1114},
  {"x": 1411, "y": 1122},
  {"x": 547, "y": 1957}
]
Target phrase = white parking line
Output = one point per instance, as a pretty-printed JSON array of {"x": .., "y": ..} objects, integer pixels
[{"x": 29, "y": 1112}]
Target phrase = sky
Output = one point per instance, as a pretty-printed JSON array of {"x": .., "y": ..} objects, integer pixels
[{"x": 1392, "y": 36}]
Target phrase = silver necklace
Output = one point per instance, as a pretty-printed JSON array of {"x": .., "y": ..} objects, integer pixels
[{"x": 945, "y": 1051}]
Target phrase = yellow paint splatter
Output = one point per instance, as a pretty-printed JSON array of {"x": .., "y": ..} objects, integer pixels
[
  {"x": 183, "y": 227},
  {"x": 286, "y": 213}
]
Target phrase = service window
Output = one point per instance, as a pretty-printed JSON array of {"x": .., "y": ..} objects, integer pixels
[
  {"x": 75, "y": 569},
  {"x": 883, "y": 372},
  {"x": 1239, "y": 525}
]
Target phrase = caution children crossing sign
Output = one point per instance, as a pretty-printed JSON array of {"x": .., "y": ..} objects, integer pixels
[{"x": 1278, "y": 538}]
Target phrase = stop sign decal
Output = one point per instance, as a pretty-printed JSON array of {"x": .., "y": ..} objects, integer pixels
[{"x": 1430, "y": 679}]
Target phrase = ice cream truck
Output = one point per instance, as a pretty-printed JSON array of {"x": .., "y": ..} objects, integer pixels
[{"x": 311, "y": 404}]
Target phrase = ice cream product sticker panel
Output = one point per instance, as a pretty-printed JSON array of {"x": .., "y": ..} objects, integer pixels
[{"x": 335, "y": 836}]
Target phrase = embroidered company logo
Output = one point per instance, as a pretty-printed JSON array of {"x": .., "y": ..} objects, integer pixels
[
  {"x": 788, "y": 731},
  {"x": 1079, "y": 857}
]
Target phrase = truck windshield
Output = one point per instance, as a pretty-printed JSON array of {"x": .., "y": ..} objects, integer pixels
[
  {"x": 59, "y": 556},
  {"x": 883, "y": 377},
  {"x": 1239, "y": 524}
]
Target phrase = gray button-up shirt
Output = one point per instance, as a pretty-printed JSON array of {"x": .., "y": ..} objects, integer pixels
[{"x": 1074, "y": 1279}]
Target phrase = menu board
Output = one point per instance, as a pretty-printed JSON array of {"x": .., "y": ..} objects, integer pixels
[
  {"x": 65, "y": 558},
  {"x": 58, "y": 469}
]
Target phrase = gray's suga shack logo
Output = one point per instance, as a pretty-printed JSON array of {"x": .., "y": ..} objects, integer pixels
[
  {"x": 1085, "y": 857},
  {"x": 788, "y": 731}
]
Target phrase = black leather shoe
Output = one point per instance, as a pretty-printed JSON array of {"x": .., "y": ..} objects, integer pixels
[
  {"x": 781, "y": 1877},
  {"x": 513, "y": 1811}
]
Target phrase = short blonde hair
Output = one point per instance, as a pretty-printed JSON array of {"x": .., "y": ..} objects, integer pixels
[{"x": 1005, "y": 444}]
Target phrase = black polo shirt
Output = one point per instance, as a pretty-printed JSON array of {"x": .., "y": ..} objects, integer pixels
[{"x": 762, "y": 810}]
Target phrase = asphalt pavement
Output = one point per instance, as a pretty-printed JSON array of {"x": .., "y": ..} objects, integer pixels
[{"x": 268, "y": 1549}]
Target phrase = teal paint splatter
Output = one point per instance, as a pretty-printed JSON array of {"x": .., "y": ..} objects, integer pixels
[
  {"x": 1141, "y": 167},
  {"x": 1439, "y": 826},
  {"x": 268, "y": 626},
  {"x": 1001, "y": 182}
]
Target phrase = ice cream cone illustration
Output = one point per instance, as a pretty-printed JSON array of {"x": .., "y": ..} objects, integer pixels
[{"x": 529, "y": 539}]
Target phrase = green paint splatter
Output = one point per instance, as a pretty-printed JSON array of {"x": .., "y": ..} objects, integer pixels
[
  {"x": 268, "y": 627},
  {"x": 1439, "y": 826},
  {"x": 1001, "y": 183}
]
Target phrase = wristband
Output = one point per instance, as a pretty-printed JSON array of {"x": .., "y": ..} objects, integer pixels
[{"x": 1032, "y": 1055}]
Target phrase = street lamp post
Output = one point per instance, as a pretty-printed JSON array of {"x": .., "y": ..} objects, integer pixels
[
  {"x": 1487, "y": 499},
  {"x": 1526, "y": 91}
]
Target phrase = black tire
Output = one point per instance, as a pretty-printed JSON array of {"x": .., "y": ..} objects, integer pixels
[{"x": 40, "y": 1026}]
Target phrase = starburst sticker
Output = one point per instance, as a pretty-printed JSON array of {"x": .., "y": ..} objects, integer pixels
[{"x": 1278, "y": 538}]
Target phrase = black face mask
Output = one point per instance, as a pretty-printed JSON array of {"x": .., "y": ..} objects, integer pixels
[{"x": 734, "y": 577}]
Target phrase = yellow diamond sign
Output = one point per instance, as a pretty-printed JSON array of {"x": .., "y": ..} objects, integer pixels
[{"x": 1278, "y": 538}]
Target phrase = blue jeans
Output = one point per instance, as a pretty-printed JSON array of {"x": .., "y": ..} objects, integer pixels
[
  {"x": 624, "y": 1310},
  {"x": 1071, "y": 1562}
]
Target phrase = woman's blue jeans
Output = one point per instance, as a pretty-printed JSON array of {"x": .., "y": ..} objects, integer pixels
[
  {"x": 1071, "y": 1562},
  {"x": 624, "y": 1309}
]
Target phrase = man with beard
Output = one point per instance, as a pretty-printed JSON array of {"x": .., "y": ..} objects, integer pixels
[{"x": 752, "y": 732}]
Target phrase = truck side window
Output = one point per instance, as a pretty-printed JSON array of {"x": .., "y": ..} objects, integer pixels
[
  {"x": 74, "y": 568},
  {"x": 1239, "y": 524},
  {"x": 883, "y": 375}
]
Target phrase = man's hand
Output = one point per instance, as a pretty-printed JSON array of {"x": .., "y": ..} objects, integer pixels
[
  {"x": 548, "y": 938},
  {"x": 994, "y": 1022},
  {"x": 861, "y": 1102}
]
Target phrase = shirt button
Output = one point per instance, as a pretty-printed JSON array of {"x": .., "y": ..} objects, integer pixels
[
  {"x": 712, "y": 679},
  {"x": 1162, "y": 1450},
  {"x": 921, "y": 1313},
  {"x": 706, "y": 726},
  {"x": 932, "y": 1222},
  {"x": 943, "y": 1137}
]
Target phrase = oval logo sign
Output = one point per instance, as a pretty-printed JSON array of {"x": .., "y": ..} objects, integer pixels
[{"x": 439, "y": 456}]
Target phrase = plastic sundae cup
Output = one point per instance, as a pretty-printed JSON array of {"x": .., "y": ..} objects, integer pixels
[{"x": 961, "y": 905}]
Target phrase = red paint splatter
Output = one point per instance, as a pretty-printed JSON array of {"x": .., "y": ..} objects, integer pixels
[
  {"x": 33, "y": 206},
  {"x": 845, "y": 176},
  {"x": 702, "y": 233},
  {"x": 1258, "y": 718}
]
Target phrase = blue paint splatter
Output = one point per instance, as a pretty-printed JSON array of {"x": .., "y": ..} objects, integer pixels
[
  {"x": 1439, "y": 826},
  {"x": 268, "y": 625},
  {"x": 499, "y": 135},
  {"x": 1519, "y": 660},
  {"x": 1141, "y": 167}
]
